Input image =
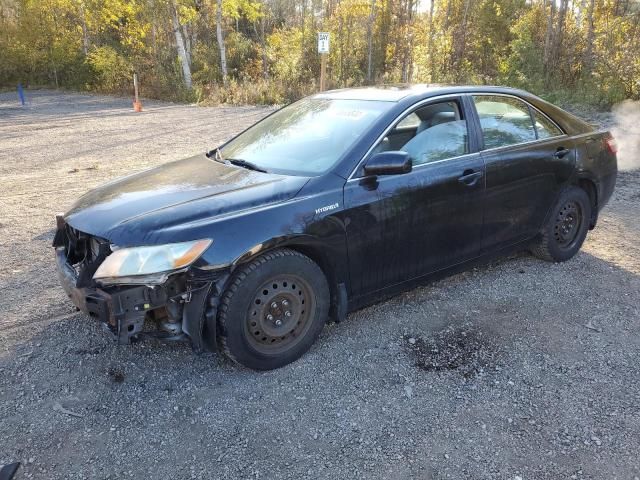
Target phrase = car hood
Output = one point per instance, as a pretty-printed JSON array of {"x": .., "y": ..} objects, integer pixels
[{"x": 139, "y": 208}]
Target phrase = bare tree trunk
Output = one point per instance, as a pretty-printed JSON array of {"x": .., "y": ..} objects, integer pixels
[
  {"x": 85, "y": 33},
  {"x": 432, "y": 63},
  {"x": 223, "y": 50},
  {"x": 154, "y": 40},
  {"x": 384, "y": 36},
  {"x": 407, "y": 40},
  {"x": 449, "y": 29},
  {"x": 403, "y": 42},
  {"x": 447, "y": 17},
  {"x": 341, "y": 46},
  {"x": 53, "y": 62},
  {"x": 372, "y": 17},
  {"x": 302, "y": 19},
  {"x": 562, "y": 18},
  {"x": 460, "y": 42},
  {"x": 182, "y": 51},
  {"x": 265, "y": 69},
  {"x": 328, "y": 12},
  {"x": 348, "y": 40},
  {"x": 548, "y": 37},
  {"x": 580, "y": 12},
  {"x": 588, "y": 54},
  {"x": 556, "y": 51},
  {"x": 187, "y": 42},
  {"x": 411, "y": 6}
]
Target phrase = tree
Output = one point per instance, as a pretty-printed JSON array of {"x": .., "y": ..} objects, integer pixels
[
  {"x": 220, "y": 37},
  {"x": 264, "y": 50},
  {"x": 181, "y": 43}
]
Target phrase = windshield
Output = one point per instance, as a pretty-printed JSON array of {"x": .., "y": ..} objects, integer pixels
[{"x": 305, "y": 138}]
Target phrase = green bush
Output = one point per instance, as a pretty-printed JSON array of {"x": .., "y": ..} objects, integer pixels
[{"x": 111, "y": 71}]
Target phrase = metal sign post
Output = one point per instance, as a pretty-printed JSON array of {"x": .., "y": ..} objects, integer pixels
[{"x": 323, "y": 50}]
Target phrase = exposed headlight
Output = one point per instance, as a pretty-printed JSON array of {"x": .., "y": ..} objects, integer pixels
[{"x": 149, "y": 264}]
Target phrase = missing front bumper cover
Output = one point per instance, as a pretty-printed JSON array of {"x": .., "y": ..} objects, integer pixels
[{"x": 187, "y": 304}]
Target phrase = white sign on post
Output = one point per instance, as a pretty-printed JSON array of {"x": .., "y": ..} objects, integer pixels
[{"x": 323, "y": 42}]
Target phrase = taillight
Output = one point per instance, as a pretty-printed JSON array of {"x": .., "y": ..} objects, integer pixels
[{"x": 611, "y": 145}]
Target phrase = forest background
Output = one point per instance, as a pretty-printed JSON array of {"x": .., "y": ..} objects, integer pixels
[{"x": 265, "y": 51}]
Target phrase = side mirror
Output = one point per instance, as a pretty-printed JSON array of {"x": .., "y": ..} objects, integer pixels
[{"x": 388, "y": 163}]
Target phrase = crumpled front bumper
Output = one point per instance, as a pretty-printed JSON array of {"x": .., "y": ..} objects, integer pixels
[
  {"x": 123, "y": 313},
  {"x": 124, "y": 309}
]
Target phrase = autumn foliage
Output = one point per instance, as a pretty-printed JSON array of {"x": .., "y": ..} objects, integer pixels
[{"x": 247, "y": 51}]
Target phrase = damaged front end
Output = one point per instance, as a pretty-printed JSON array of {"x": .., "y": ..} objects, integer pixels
[{"x": 177, "y": 305}]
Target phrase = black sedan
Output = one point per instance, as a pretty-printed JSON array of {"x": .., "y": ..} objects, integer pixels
[{"x": 329, "y": 204}]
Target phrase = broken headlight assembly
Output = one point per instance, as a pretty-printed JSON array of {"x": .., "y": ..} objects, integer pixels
[{"x": 150, "y": 265}]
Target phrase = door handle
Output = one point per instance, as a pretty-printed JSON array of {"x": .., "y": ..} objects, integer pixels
[
  {"x": 470, "y": 178},
  {"x": 561, "y": 152}
]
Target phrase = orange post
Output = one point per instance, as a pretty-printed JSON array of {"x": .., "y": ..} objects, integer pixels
[{"x": 137, "y": 105}]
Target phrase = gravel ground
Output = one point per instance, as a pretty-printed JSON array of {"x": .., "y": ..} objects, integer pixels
[{"x": 520, "y": 369}]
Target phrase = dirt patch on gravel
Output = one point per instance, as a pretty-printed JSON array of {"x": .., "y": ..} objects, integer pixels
[{"x": 464, "y": 350}]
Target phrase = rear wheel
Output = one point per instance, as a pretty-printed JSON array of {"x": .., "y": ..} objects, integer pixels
[
  {"x": 273, "y": 310},
  {"x": 566, "y": 228}
]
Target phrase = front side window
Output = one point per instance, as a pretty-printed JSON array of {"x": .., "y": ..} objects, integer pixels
[
  {"x": 307, "y": 137},
  {"x": 434, "y": 132},
  {"x": 504, "y": 120}
]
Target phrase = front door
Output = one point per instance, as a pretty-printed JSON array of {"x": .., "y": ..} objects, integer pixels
[{"x": 400, "y": 227}]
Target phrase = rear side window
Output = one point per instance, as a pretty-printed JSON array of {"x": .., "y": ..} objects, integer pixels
[
  {"x": 504, "y": 121},
  {"x": 545, "y": 127}
]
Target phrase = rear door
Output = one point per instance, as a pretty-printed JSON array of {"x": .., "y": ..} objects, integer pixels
[
  {"x": 528, "y": 158},
  {"x": 400, "y": 227}
]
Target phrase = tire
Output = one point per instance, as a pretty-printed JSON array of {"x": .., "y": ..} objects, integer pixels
[
  {"x": 273, "y": 310},
  {"x": 566, "y": 228}
]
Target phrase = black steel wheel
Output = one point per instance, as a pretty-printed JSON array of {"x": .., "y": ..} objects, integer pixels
[
  {"x": 567, "y": 224},
  {"x": 273, "y": 310},
  {"x": 566, "y": 227},
  {"x": 280, "y": 313}
]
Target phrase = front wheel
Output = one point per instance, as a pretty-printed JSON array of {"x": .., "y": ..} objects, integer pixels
[
  {"x": 273, "y": 310},
  {"x": 566, "y": 228}
]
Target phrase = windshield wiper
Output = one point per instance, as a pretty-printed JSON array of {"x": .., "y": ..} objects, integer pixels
[
  {"x": 246, "y": 164},
  {"x": 215, "y": 154}
]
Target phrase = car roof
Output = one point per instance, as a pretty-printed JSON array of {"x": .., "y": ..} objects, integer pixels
[{"x": 396, "y": 93}]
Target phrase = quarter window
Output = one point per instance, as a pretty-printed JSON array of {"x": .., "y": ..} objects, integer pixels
[
  {"x": 410, "y": 121},
  {"x": 434, "y": 132},
  {"x": 545, "y": 127},
  {"x": 504, "y": 121}
]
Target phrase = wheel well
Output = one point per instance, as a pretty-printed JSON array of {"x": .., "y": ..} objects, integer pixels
[
  {"x": 590, "y": 188},
  {"x": 317, "y": 256},
  {"x": 337, "y": 308},
  {"x": 314, "y": 254}
]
